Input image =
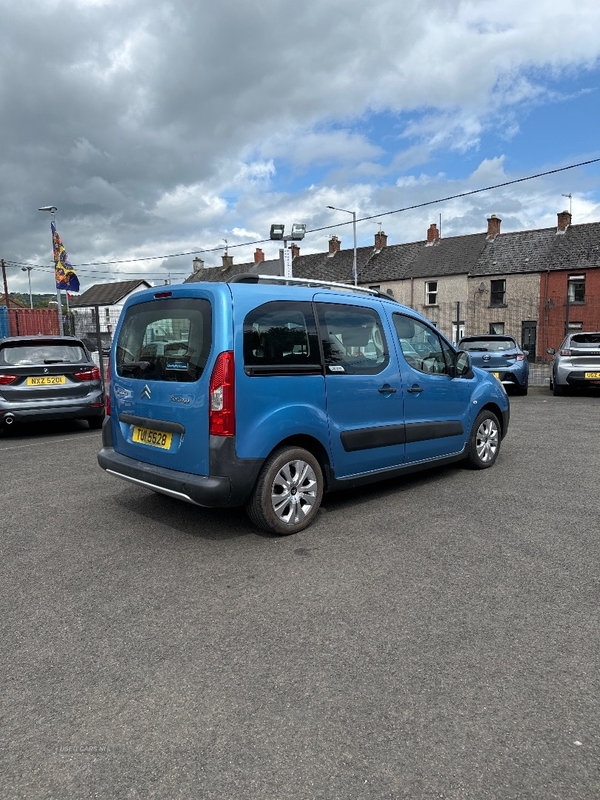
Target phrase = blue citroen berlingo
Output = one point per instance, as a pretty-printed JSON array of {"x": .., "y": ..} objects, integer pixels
[{"x": 270, "y": 391}]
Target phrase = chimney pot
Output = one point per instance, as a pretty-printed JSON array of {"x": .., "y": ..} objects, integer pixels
[
  {"x": 380, "y": 240},
  {"x": 493, "y": 226},
  {"x": 564, "y": 220},
  {"x": 433, "y": 234}
]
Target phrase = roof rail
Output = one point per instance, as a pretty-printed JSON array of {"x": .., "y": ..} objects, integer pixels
[{"x": 247, "y": 277}]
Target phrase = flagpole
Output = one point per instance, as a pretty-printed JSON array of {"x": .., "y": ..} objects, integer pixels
[{"x": 53, "y": 210}]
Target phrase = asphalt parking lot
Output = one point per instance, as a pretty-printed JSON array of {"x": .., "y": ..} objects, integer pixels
[{"x": 433, "y": 637}]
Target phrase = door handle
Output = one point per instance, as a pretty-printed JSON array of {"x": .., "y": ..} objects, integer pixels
[
  {"x": 415, "y": 389},
  {"x": 387, "y": 389}
]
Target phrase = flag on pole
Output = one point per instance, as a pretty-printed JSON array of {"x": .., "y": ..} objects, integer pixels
[{"x": 63, "y": 272}]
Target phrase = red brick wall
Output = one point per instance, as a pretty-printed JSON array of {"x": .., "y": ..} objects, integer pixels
[{"x": 553, "y": 305}]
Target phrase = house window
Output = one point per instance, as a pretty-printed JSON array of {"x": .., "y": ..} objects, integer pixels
[
  {"x": 574, "y": 326},
  {"x": 498, "y": 293},
  {"x": 431, "y": 293},
  {"x": 497, "y": 328},
  {"x": 576, "y": 288},
  {"x": 107, "y": 314}
]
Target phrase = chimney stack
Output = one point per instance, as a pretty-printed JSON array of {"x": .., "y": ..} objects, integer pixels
[
  {"x": 334, "y": 245},
  {"x": 433, "y": 235},
  {"x": 227, "y": 261},
  {"x": 259, "y": 256},
  {"x": 493, "y": 226},
  {"x": 197, "y": 264},
  {"x": 564, "y": 220},
  {"x": 380, "y": 240},
  {"x": 295, "y": 248}
]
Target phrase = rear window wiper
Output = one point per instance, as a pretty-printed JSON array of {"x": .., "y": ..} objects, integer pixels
[{"x": 134, "y": 366}]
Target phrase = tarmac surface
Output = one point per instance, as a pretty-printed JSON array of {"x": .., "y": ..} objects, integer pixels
[{"x": 431, "y": 637}]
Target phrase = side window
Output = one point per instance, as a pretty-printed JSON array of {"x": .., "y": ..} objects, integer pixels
[
  {"x": 280, "y": 337},
  {"x": 352, "y": 339},
  {"x": 421, "y": 346}
]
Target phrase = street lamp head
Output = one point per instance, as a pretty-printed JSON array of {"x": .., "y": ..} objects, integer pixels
[
  {"x": 298, "y": 231},
  {"x": 52, "y": 209},
  {"x": 277, "y": 231}
]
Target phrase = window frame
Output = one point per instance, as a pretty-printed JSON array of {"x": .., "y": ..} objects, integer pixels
[
  {"x": 497, "y": 296},
  {"x": 429, "y": 293}
]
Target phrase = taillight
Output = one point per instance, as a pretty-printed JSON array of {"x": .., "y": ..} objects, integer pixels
[
  {"x": 107, "y": 393},
  {"x": 565, "y": 353},
  {"x": 92, "y": 374},
  {"x": 6, "y": 379},
  {"x": 520, "y": 357},
  {"x": 221, "y": 397}
]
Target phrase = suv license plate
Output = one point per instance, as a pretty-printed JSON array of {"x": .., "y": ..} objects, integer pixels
[
  {"x": 152, "y": 438},
  {"x": 594, "y": 376},
  {"x": 49, "y": 380}
]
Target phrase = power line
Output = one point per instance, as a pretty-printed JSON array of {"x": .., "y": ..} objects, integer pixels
[{"x": 329, "y": 227}]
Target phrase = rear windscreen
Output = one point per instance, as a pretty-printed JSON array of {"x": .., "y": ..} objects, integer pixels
[
  {"x": 21, "y": 355},
  {"x": 165, "y": 340},
  {"x": 586, "y": 340},
  {"x": 488, "y": 345}
]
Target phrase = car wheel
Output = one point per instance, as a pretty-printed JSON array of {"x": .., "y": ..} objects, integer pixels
[
  {"x": 95, "y": 423},
  {"x": 484, "y": 444},
  {"x": 520, "y": 390},
  {"x": 557, "y": 390},
  {"x": 288, "y": 492}
]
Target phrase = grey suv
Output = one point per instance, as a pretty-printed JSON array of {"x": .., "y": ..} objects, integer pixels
[{"x": 576, "y": 363}]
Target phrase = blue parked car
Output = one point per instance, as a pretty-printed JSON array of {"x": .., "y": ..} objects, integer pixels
[
  {"x": 268, "y": 392},
  {"x": 502, "y": 356}
]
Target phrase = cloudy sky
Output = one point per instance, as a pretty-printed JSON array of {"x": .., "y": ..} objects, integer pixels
[{"x": 165, "y": 128}]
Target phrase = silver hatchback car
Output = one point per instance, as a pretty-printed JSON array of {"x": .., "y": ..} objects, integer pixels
[{"x": 576, "y": 364}]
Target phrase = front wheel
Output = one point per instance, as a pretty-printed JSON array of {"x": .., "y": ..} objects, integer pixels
[
  {"x": 288, "y": 492},
  {"x": 484, "y": 444}
]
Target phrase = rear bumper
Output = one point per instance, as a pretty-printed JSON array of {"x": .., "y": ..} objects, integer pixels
[
  {"x": 198, "y": 489},
  {"x": 40, "y": 413},
  {"x": 232, "y": 487}
]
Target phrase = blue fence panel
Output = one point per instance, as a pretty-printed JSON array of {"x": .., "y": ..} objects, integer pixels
[{"x": 4, "y": 326}]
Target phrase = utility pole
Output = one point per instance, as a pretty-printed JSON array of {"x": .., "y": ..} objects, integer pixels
[{"x": 6, "y": 301}]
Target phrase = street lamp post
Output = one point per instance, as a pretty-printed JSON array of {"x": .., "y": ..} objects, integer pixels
[
  {"x": 354, "y": 264},
  {"x": 28, "y": 271},
  {"x": 278, "y": 234},
  {"x": 52, "y": 210}
]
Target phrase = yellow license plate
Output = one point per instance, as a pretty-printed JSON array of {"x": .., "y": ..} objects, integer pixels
[
  {"x": 496, "y": 375},
  {"x": 152, "y": 438},
  {"x": 47, "y": 380},
  {"x": 595, "y": 376}
]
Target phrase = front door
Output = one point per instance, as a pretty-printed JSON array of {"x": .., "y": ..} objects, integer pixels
[{"x": 528, "y": 338}]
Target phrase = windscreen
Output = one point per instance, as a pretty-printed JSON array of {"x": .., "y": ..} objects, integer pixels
[{"x": 165, "y": 340}]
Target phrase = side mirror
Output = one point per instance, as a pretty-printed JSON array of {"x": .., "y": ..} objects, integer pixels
[
  {"x": 526, "y": 352},
  {"x": 551, "y": 350},
  {"x": 463, "y": 365}
]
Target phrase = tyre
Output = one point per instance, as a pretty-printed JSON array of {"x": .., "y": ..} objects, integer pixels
[
  {"x": 288, "y": 492},
  {"x": 557, "y": 390},
  {"x": 520, "y": 390},
  {"x": 95, "y": 423},
  {"x": 484, "y": 444}
]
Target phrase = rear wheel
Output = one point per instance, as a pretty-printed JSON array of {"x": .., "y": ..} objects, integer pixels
[
  {"x": 484, "y": 444},
  {"x": 288, "y": 492},
  {"x": 520, "y": 390},
  {"x": 95, "y": 423},
  {"x": 557, "y": 390}
]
